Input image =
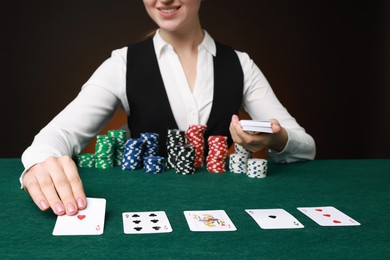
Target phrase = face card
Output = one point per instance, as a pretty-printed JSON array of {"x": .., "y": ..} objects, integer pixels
[
  {"x": 89, "y": 221},
  {"x": 274, "y": 218},
  {"x": 328, "y": 216},
  {"x": 209, "y": 220},
  {"x": 147, "y": 222}
]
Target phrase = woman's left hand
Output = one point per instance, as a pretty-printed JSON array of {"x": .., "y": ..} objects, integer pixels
[{"x": 275, "y": 141}]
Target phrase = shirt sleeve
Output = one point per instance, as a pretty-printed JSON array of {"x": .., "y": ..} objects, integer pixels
[
  {"x": 261, "y": 103},
  {"x": 72, "y": 129}
]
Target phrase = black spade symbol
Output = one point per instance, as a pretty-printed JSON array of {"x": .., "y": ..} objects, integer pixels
[
  {"x": 152, "y": 215},
  {"x": 272, "y": 216},
  {"x": 154, "y": 220},
  {"x": 127, "y": 215},
  {"x": 135, "y": 216},
  {"x": 156, "y": 228},
  {"x": 138, "y": 228},
  {"x": 137, "y": 221}
]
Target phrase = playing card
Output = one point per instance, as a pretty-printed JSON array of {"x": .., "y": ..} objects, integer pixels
[
  {"x": 209, "y": 220},
  {"x": 89, "y": 221},
  {"x": 147, "y": 222},
  {"x": 328, "y": 216},
  {"x": 253, "y": 127},
  {"x": 274, "y": 218}
]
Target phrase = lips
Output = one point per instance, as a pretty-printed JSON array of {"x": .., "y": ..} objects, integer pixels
[{"x": 169, "y": 10}]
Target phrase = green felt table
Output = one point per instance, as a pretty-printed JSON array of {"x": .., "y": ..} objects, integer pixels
[{"x": 360, "y": 188}]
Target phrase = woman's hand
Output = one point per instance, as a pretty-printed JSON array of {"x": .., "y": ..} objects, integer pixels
[
  {"x": 275, "y": 141},
  {"x": 55, "y": 183}
]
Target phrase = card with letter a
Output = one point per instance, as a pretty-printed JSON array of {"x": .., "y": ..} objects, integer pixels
[
  {"x": 328, "y": 216},
  {"x": 274, "y": 218},
  {"x": 209, "y": 220},
  {"x": 89, "y": 221}
]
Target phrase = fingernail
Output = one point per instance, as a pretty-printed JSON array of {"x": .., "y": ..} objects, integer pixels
[
  {"x": 43, "y": 205},
  {"x": 70, "y": 208},
  {"x": 59, "y": 208},
  {"x": 80, "y": 203}
]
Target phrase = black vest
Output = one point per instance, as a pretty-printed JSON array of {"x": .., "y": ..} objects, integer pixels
[{"x": 150, "y": 110}]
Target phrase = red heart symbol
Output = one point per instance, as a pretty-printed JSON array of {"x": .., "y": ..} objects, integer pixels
[
  {"x": 336, "y": 221},
  {"x": 326, "y": 215},
  {"x": 81, "y": 217},
  {"x": 318, "y": 209}
]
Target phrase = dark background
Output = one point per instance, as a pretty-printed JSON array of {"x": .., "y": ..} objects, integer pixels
[{"x": 327, "y": 61}]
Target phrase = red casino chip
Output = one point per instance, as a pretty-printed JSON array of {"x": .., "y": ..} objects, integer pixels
[{"x": 195, "y": 138}]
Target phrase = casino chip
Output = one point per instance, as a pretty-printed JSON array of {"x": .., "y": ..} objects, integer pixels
[
  {"x": 86, "y": 160},
  {"x": 218, "y": 149},
  {"x": 257, "y": 168},
  {"x": 133, "y": 154},
  {"x": 185, "y": 159},
  {"x": 104, "y": 152},
  {"x": 175, "y": 137},
  {"x": 154, "y": 164},
  {"x": 151, "y": 143},
  {"x": 239, "y": 159},
  {"x": 237, "y": 163},
  {"x": 239, "y": 149},
  {"x": 142, "y": 152},
  {"x": 119, "y": 140},
  {"x": 195, "y": 138}
]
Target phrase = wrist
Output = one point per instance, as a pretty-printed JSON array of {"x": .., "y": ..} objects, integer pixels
[{"x": 279, "y": 141}]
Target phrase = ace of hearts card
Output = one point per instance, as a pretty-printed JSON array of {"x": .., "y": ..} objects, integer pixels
[{"x": 89, "y": 221}]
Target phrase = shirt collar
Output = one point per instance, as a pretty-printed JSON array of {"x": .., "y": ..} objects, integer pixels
[{"x": 160, "y": 45}]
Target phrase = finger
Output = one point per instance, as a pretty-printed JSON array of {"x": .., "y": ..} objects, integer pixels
[
  {"x": 275, "y": 126},
  {"x": 62, "y": 186},
  {"x": 32, "y": 187},
  {"x": 76, "y": 184},
  {"x": 233, "y": 131},
  {"x": 49, "y": 192}
]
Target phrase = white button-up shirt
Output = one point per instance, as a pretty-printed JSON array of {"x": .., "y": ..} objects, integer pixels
[{"x": 105, "y": 91}]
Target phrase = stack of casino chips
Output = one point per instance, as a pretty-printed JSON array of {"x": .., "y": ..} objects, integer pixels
[
  {"x": 239, "y": 159},
  {"x": 239, "y": 149},
  {"x": 133, "y": 154},
  {"x": 218, "y": 149},
  {"x": 195, "y": 138},
  {"x": 104, "y": 152},
  {"x": 151, "y": 143},
  {"x": 257, "y": 168},
  {"x": 175, "y": 138},
  {"x": 185, "y": 160},
  {"x": 154, "y": 164},
  {"x": 86, "y": 160},
  {"x": 120, "y": 140}
]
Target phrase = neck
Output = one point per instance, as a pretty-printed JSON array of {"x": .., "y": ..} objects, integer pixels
[{"x": 188, "y": 40}]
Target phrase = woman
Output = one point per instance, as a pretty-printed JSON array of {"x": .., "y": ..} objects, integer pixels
[{"x": 179, "y": 77}]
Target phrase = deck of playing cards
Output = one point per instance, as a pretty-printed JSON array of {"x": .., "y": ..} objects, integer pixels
[
  {"x": 209, "y": 220},
  {"x": 253, "y": 127},
  {"x": 89, "y": 221}
]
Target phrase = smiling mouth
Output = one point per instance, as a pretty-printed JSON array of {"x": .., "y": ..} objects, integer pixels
[{"x": 169, "y": 10}]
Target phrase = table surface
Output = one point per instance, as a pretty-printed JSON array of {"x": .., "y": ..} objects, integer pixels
[{"x": 359, "y": 188}]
